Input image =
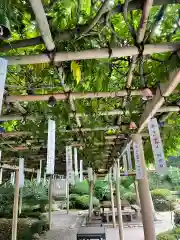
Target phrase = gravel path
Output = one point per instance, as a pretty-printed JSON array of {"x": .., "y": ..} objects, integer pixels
[{"x": 65, "y": 227}]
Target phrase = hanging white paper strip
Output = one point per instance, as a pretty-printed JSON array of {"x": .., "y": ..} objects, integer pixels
[
  {"x": 81, "y": 170},
  {"x": 21, "y": 172},
  {"x": 137, "y": 157},
  {"x": 0, "y": 154},
  {"x": 3, "y": 71},
  {"x": 76, "y": 164},
  {"x": 114, "y": 172},
  {"x": 12, "y": 178},
  {"x": 38, "y": 176},
  {"x": 90, "y": 174},
  {"x": 157, "y": 146},
  {"x": 129, "y": 156},
  {"x": 69, "y": 167},
  {"x": 51, "y": 147},
  {"x": 125, "y": 165}
]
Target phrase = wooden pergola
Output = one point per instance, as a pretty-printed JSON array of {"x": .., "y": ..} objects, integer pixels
[{"x": 115, "y": 142}]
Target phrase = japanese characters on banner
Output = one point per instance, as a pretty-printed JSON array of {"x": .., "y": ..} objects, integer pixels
[
  {"x": 129, "y": 156},
  {"x": 38, "y": 176},
  {"x": 69, "y": 166},
  {"x": 12, "y": 178},
  {"x": 3, "y": 71},
  {"x": 51, "y": 147},
  {"x": 81, "y": 171},
  {"x": 125, "y": 165},
  {"x": 21, "y": 172},
  {"x": 90, "y": 174},
  {"x": 137, "y": 157},
  {"x": 157, "y": 146}
]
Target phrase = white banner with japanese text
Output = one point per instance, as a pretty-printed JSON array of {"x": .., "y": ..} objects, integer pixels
[
  {"x": 51, "y": 147},
  {"x": 12, "y": 178},
  {"x": 137, "y": 158},
  {"x": 69, "y": 165},
  {"x": 3, "y": 72},
  {"x": 81, "y": 171},
  {"x": 38, "y": 176},
  {"x": 157, "y": 146},
  {"x": 76, "y": 165},
  {"x": 21, "y": 172}
]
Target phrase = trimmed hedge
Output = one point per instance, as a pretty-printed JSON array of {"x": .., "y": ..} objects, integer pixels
[{"x": 82, "y": 202}]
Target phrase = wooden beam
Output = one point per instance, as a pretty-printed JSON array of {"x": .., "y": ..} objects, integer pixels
[
  {"x": 42, "y": 23},
  {"x": 93, "y": 54},
  {"x": 162, "y": 92}
]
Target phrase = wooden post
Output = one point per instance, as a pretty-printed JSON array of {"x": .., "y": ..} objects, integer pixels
[
  {"x": 112, "y": 198},
  {"x": 15, "y": 207},
  {"x": 118, "y": 202},
  {"x": 50, "y": 201},
  {"x": 1, "y": 173},
  {"x": 90, "y": 198},
  {"x": 144, "y": 194}
]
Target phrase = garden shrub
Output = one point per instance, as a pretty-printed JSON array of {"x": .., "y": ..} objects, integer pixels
[
  {"x": 101, "y": 190},
  {"x": 165, "y": 236},
  {"x": 81, "y": 188},
  {"x": 132, "y": 188},
  {"x": 177, "y": 217},
  {"x": 169, "y": 235},
  {"x": 26, "y": 228},
  {"x": 126, "y": 181},
  {"x": 162, "y": 199},
  {"x": 130, "y": 197}
]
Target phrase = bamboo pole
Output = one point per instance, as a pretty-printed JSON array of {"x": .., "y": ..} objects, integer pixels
[
  {"x": 50, "y": 202},
  {"x": 20, "y": 200},
  {"x": 118, "y": 202},
  {"x": 42, "y": 23},
  {"x": 112, "y": 198},
  {"x": 15, "y": 207},
  {"x": 93, "y": 54},
  {"x": 164, "y": 91},
  {"x": 76, "y": 95}
]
